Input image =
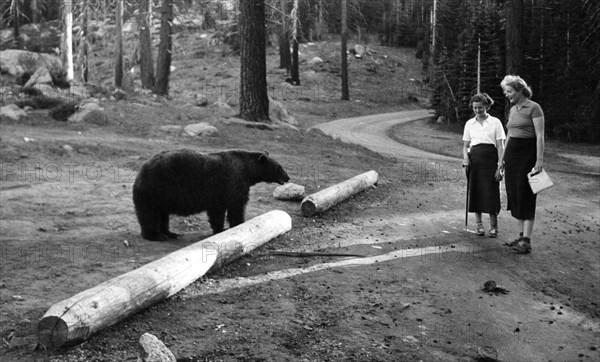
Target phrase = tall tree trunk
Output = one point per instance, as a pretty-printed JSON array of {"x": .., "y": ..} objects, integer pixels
[
  {"x": 432, "y": 52},
  {"x": 345, "y": 90},
  {"x": 69, "y": 40},
  {"x": 320, "y": 21},
  {"x": 514, "y": 42},
  {"x": 34, "y": 11},
  {"x": 295, "y": 65},
  {"x": 83, "y": 52},
  {"x": 119, "y": 50},
  {"x": 146, "y": 61},
  {"x": 295, "y": 75},
  {"x": 254, "y": 98},
  {"x": 16, "y": 19},
  {"x": 514, "y": 36},
  {"x": 285, "y": 60},
  {"x": 163, "y": 67}
]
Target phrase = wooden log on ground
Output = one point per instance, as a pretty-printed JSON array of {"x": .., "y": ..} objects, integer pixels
[
  {"x": 73, "y": 320},
  {"x": 324, "y": 199}
]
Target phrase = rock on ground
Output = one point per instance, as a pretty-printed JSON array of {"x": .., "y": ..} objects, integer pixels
[
  {"x": 153, "y": 350},
  {"x": 315, "y": 60},
  {"x": 223, "y": 109},
  {"x": 201, "y": 129},
  {"x": 12, "y": 112},
  {"x": 289, "y": 191},
  {"x": 277, "y": 112},
  {"x": 16, "y": 62},
  {"x": 90, "y": 112},
  {"x": 40, "y": 76},
  {"x": 360, "y": 50}
]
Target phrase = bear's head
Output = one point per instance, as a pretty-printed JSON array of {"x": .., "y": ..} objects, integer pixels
[{"x": 272, "y": 171}]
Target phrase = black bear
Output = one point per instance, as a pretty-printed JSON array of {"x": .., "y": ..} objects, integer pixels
[{"x": 185, "y": 182}]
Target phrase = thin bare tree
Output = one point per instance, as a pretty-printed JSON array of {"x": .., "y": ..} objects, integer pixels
[
  {"x": 295, "y": 62},
  {"x": 68, "y": 46},
  {"x": 285, "y": 60},
  {"x": 119, "y": 50}
]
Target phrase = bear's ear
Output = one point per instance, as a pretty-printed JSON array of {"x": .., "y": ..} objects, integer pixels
[
  {"x": 266, "y": 152},
  {"x": 263, "y": 157}
]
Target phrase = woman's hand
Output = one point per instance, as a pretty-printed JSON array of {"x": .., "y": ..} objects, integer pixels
[
  {"x": 499, "y": 175},
  {"x": 539, "y": 165},
  {"x": 466, "y": 162}
]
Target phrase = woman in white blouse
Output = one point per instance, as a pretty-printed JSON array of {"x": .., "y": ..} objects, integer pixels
[{"x": 483, "y": 146}]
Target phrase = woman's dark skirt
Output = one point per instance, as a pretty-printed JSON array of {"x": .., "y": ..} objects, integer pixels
[
  {"x": 519, "y": 159},
  {"x": 484, "y": 191}
]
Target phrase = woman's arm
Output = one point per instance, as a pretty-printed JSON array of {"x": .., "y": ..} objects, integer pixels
[
  {"x": 466, "y": 161},
  {"x": 538, "y": 124},
  {"x": 501, "y": 155}
]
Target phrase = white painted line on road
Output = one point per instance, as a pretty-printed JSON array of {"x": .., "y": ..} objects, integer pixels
[{"x": 226, "y": 284}]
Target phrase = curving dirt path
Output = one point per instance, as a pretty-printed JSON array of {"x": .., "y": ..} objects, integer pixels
[{"x": 372, "y": 132}]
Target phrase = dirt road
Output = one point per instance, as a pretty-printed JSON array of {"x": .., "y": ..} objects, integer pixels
[{"x": 372, "y": 133}]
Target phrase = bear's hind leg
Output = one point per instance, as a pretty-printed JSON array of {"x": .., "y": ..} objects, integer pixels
[
  {"x": 164, "y": 226},
  {"x": 216, "y": 217}
]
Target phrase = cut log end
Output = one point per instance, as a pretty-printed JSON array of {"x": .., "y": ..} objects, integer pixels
[
  {"x": 308, "y": 208},
  {"x": 52, "y": 332}
]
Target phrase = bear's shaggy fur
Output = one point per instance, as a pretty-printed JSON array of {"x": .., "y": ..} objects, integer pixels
[{"x": 185, "y": 182}]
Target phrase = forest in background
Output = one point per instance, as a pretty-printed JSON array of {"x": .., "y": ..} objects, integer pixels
[{"x": 462, "y": 43}]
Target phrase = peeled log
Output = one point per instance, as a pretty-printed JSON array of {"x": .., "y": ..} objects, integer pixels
[
  {"x": 324, "y": 199},
  {"x": 73, "y": 320}
]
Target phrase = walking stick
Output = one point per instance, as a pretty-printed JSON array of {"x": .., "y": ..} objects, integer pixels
[{"x": 467, "y": 172}]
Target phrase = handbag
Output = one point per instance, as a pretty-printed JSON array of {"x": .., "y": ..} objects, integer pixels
[{"x": 540, "y": 181}]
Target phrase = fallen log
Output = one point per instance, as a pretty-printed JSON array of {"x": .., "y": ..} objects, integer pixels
[
  {"x": 324, "y": 199},
  {"x": 73, "y": 320}
]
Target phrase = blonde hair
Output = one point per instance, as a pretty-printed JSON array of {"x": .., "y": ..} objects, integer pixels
[{"x": 517, "y": 83}]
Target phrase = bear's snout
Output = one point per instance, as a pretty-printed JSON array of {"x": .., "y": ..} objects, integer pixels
[{"x": 283, "y": 178}]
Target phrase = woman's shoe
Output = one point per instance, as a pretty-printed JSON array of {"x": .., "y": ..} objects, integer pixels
[
  {"x": 480, "y": 230},
  {"x": 522, "y": 247},
  {"x": 514, "y": 242},
  {"x": 493, "y": 233}
]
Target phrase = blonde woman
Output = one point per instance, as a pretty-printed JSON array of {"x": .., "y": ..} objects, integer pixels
[{"x": 524, "y": 154}]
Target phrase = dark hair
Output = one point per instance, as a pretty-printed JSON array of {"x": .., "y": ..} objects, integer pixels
[{"x": 482, "y": 98}]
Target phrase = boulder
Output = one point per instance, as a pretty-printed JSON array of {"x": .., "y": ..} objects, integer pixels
[
  {"x": 40, "y": 76},
  {"x": 360, "y": 51},
  {"x": 223, "y": 109},
  {"x": 278, "y": 113},
  {"x": 90, "y": 112},
  {"x": 16, "y": 62},
  {"x": 289, "y": 191},
  {"x": 315, "y": 60},
  {"x": 152, "y": 349},
  {"x": 201, "y": 129},
  {"x": 12, "y": 112}
]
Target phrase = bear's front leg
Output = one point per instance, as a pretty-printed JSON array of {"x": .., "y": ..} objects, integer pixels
[
  {"x": 216, "y": 217},
  {"x": 235, "y": 216},
  {"x": 164, "y": 226}
]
